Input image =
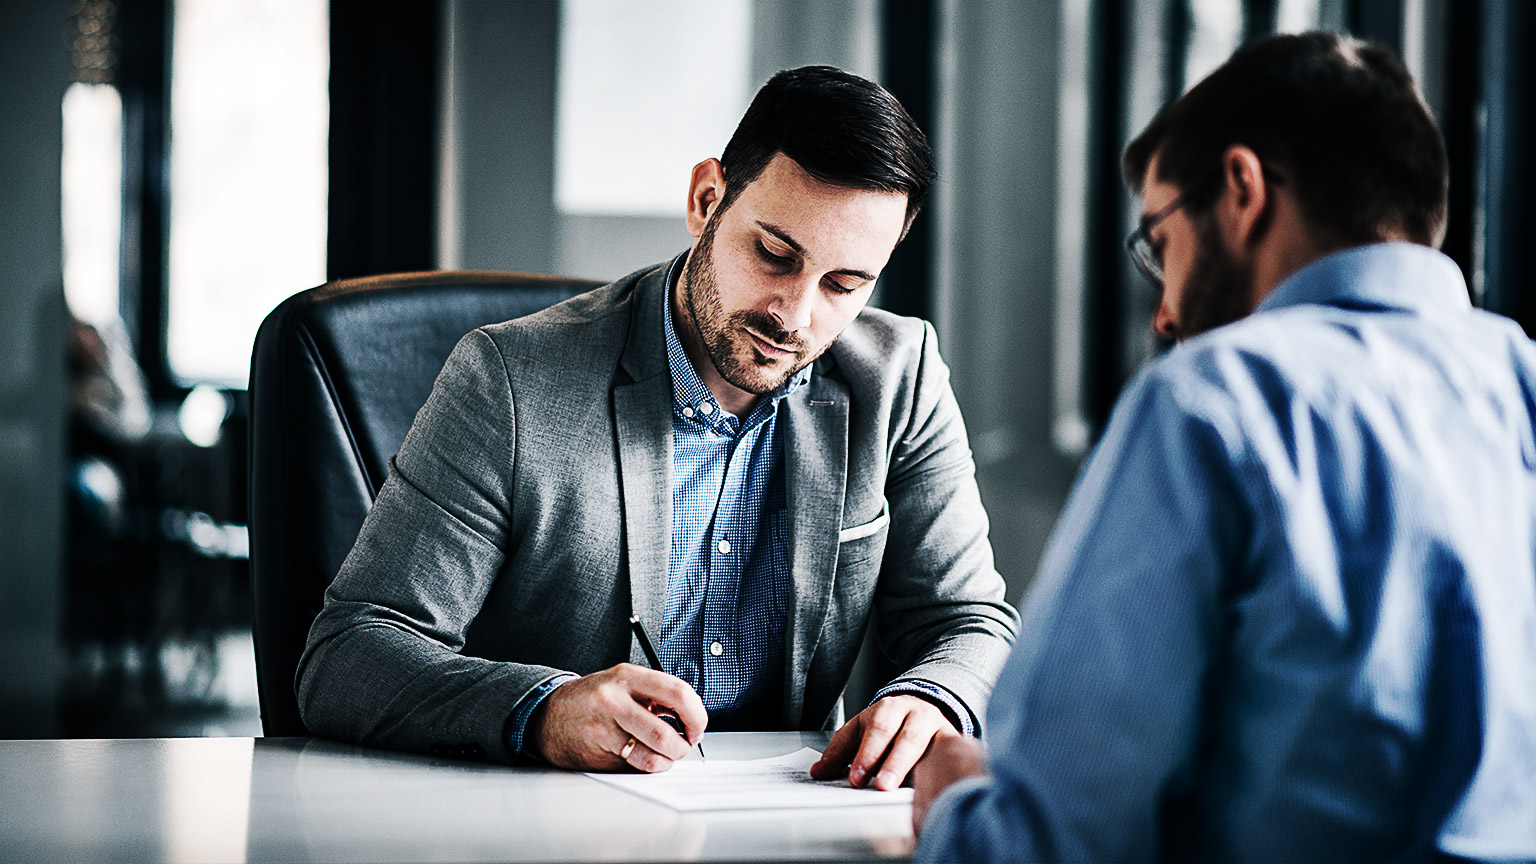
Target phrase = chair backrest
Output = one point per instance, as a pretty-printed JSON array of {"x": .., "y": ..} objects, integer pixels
[{"x": 337, "y": 376}]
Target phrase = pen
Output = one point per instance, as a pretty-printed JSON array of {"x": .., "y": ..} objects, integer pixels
[{"x": 655, "y": 661}]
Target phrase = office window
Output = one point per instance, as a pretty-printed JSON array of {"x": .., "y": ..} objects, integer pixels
[
  {"x": 91, "y": 167},
  {"x": 249, "y": 125},
  {"x": 1216, "y": 30},
  {"x": 632, "y": 80},
  {"x": 1297, "y": 16},
  {"x": 92, "y": 180}
]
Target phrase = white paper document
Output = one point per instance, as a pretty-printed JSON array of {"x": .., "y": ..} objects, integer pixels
[{"x": 780, "y": 783}]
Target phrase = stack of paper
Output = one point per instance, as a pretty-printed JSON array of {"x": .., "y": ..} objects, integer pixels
[{"x": 780, "y": 783}]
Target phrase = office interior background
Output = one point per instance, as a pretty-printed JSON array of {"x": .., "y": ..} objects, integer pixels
[{"x": 170, "y": 170}]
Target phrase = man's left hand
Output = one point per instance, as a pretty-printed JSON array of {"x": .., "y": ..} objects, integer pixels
[{"x": 880, "y": 745}]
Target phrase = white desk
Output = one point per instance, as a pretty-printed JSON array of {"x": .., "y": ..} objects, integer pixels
[{"x": 308, "y": 799}]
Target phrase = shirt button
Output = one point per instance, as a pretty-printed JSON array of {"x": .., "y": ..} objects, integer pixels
[
  {"x": 706, "y": 409},
  {"x": 688, "y": 412},
  {"x": 725, "y": 547},
  {"x": 716, "y": 648}
]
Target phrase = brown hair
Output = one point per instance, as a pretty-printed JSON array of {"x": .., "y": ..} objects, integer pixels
[
  {"x": 1338, "y": 118},
  {"x": 842, "y": 129}
]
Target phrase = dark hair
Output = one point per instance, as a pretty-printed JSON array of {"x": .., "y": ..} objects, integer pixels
[
  {"x": 1339, "y": 119},
  {"x": 842, "y": 129}
]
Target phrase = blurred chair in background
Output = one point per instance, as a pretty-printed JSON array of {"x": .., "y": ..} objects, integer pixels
[
  {"x": 109, "y": 562},
  {"x": 156, "y": 574}
]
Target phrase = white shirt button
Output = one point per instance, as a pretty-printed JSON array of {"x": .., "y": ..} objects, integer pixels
[
  {"x": 706, "y": 409},
  {"x": 716, "y": 648},
  {"x": 724, "y": 547},
  {"x": 688, "y": 412}
]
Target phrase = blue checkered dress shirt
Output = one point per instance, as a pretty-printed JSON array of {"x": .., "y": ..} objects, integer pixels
[{"x": 729, "y": 577}]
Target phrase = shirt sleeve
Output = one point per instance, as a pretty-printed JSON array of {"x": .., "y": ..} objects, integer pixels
[
  {"x": 1094, "y": 724},
  {"x": 954, "y": 709},
  {"x": 517, "y": 723}
]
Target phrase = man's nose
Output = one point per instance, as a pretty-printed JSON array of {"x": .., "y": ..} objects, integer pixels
[
  {"x": 1163, "y": 321},
  {"x": 791, "y": 306}
]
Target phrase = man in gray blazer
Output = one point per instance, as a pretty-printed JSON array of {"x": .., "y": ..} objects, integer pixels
[{"x": 728, "y": 445}]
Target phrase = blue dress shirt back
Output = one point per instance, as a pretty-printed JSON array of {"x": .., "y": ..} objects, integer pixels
[{"x": 1289, "y": 612}]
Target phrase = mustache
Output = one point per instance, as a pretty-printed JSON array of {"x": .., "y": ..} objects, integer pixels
[{"x": 769, "y": 328}]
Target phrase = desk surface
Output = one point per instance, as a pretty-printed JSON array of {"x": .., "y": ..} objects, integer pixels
[{"x": 309, "y": 799}]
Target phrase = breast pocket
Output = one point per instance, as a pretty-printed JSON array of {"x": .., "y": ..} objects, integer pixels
[
  {"x": 859, "y": 543},
  {"x": 872, "y": 527}
]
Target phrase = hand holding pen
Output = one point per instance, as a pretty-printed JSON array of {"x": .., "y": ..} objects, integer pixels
[
  {"x": 606, "y": 721},
  {"x": 652, "y": 658}
]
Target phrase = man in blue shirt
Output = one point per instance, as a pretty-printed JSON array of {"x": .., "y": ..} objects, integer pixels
[
  {"x": 1289, "y": 612},
  {"x": 728, "y": 445}
]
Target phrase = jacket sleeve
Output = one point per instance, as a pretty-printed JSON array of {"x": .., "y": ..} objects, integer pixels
[
  {"x": 382, "y": 665},
  {"x": 941, "y": 613}
]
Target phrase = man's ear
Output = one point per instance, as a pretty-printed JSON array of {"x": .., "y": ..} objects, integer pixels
[
  {"x": 705, "y": 190},
  {"x": 1243, "y": 210}
]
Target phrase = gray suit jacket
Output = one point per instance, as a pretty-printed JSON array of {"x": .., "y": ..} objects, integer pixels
[{"x": 528, "y": 512}]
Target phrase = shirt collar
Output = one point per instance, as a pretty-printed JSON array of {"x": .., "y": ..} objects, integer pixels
[
  {"x": 1402, "y": 276},
  {"x": 689, "y": 393}
]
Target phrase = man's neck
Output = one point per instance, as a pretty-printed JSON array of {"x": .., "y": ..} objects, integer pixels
[{"x": 1291, "y": 244}]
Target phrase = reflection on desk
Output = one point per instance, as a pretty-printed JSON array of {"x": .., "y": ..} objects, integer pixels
[{"x": 301, "y": 799}]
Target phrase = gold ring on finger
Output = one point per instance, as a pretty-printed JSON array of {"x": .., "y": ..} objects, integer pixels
[{"x": 628, "y": 748}]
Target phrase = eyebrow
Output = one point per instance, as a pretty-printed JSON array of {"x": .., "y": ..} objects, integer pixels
[{"x": 789, "y": 241}]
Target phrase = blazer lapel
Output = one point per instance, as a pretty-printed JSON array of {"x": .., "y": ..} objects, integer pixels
[
  {"x": 815, "y": 442},
  {"x": 642, "y": 416}
]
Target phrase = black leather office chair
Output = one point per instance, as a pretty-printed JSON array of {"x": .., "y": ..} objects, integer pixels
[{"x": 337, "y": 376}]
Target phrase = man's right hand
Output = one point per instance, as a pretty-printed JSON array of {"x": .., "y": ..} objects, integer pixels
[{"x": 586, "y": 723}]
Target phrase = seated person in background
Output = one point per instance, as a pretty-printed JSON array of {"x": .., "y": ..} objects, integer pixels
[
  {"x": 728, "y": 444},
  {"x": 1289, "y": 612}
]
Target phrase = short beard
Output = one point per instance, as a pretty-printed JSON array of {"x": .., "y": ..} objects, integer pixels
[
  {"x": 701, "y": 294},
  {"x": 1218, "y": 291}
]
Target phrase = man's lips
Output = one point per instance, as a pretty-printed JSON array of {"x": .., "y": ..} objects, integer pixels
[{"x": 771, "y": 349}]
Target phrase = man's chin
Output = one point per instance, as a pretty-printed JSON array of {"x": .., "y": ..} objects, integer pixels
[
  {"x": 761, "y": 375},
  {"x": 757, "y": 386}
]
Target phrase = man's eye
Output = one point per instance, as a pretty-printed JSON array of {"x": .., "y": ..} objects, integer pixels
[
  {"x": 770, "y": 258},
  {"x": 837, "y": 287}
]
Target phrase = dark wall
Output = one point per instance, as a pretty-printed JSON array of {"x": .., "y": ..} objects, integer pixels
[
  {"x": 384, "y": 91},
  {"x": 502, "y": 88},
  {"x": 34, "y": 71}
]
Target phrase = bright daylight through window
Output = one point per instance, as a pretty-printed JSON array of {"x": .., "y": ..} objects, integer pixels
[
  {"x": 249, "y": 127},
  {"x": 602, "y": 166},
  {"x": 92, "y": 200}
]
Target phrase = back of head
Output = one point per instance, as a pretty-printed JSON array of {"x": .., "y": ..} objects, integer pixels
[
  {"x": 842, "y": 129},
  {"x": 1339, "y": 120}
]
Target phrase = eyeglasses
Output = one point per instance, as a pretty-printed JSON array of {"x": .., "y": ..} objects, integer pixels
[{"x": 1147, "y": 257}]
